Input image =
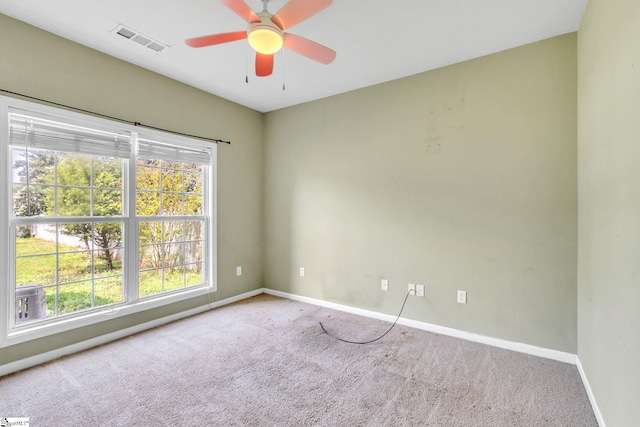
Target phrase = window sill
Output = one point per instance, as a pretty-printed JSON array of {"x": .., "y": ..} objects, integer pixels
[{"x": 52, "y": 327}]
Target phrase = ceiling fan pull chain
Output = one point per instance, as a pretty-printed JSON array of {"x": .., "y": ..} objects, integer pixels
[
  {"x": 283, "y": 67},
  {"x": 246, "y": 65}
]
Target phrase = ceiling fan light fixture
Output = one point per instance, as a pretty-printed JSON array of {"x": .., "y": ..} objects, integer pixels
[
  {"x": 266, "y": 32},
  {"x": 265, "y": 39}
]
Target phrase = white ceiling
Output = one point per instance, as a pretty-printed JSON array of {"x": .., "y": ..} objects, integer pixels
[{"x": 375, "y": 40}]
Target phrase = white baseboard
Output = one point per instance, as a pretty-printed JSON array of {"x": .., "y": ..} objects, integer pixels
[
  {"x": 592, "y": 398},
  {"x": 231, "y": 300},
  {"x": 496, "y": 342},
  {"x": 29, "y": 362}
]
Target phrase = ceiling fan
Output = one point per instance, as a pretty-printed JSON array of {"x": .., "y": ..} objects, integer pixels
[{"x": 266, "y": 32}]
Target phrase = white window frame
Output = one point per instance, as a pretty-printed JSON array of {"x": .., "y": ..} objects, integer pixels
[{"x": 10, "y": 335}]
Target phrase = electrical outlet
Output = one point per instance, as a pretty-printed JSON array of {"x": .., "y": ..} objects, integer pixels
[
  {"x": 301, "y": 271},
  {"x": 462, "y": 297},
  {"x": 384, "y": 284},
  {"x": 420, "y": 290},
  {"x": 411, "y": 289},
  {"x": 239, "y": 270}
]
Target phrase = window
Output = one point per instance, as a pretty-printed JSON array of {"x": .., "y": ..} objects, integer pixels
[
  {"x": 101, "y": 217},
  {"x": 169, "y": 208}
]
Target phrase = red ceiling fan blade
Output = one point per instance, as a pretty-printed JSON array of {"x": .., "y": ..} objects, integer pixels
[
  {"x": 216, "y": 39},
  {"x": 264, "y": 65},
  {"x": 241, "y": 9},
  {"x": 297, "y": 11},
  {"x": 311, "y": 50}
]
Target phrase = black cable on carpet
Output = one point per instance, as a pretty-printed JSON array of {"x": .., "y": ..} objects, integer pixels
[{"x": 373, "y": 340}]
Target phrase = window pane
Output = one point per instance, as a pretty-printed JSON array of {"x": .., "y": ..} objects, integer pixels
[
  {"x": 193, "y": 167},
  {"x": 73, "y": 267},
  {"x": 193, "y": 252},
  {"x": 30, "y": 303},
  {"x": 51, "y": 293},
  {"x": 150, "y": 232},
  {"x": 108, "y": 291},
  {"x": 147, "y": 177},
  {"x": 173, "y": 231},
  {"x": 143, "y": 161},
  {"x": 107, "y": 174},
  {"x": 107, "y": 262},
  {"x": 41, "y": 164},
  {"x": 34, "y": 270},
  {"x": 107, "y": 235},
  {"x": 32, "y": 166},
  {"x": 173, "y": 278},
  {"x": 32, "y": 200},
  {"x": 171, "y": 204},
  {"x": 150, "y": 282},
  {"x": 74, "y": 171},
  {"x": 19, "y": 161},
  {"x": 72, "y": 237},
  {"x": 192, "y": 182},
  {"x": 174, "y": 254},
  {"x": 193, "y": 204},
  {"x": 194, "y": 274},
  {"x": 171, "y": 164},
  {"x": 31, "y": 240},
  {"x": 75, "y": 297},
  {"x": 107, "y": 202},
  {"x": 150, "y": 256},
  {"x": 21, "y": 200},
  {"x": 194, "y": 230},
  {"x": 73, "y": 201},
  {"x": 147, "y": 203},
  {"x": 172, "y": 180}
]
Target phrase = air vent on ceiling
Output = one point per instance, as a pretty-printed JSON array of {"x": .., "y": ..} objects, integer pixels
[
  {"x": 155, "y": 46},
  {"x": 140, "y": 39},
  {"x": 125, "y": 32}
]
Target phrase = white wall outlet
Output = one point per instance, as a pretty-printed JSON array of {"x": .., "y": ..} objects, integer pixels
[
  {"x": 384, "y": 284},
  {"x": 462, "y": 297},
  {"x": 301, "y": 271},
  {"x": 411, "y": 289},
  {"x": 239, "y": 270},
  {"x": 420, "y": 290}
]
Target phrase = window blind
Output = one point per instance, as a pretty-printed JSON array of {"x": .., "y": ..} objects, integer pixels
[
  {"x": 169, "y": 151},
  {"x": 36, "y": 132}
]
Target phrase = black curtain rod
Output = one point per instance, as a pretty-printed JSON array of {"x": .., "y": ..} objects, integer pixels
[{"x": 116, "y": 118}]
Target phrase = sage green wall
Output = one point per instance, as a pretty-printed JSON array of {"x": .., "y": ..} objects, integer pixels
[
  {"x": 458, "y": 178},
  {"x": 40, "y": 64},
  {"x": 609, "y": 206}
]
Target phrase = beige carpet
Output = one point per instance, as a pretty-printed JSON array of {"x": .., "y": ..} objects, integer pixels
[{"x": 266, "y": 362}]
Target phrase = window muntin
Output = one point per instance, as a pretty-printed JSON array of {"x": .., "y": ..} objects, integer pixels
[{"x": 69, "y": 180}]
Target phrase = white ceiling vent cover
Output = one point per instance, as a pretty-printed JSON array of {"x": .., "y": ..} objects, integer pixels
[{"x": 140, "y": 39}]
